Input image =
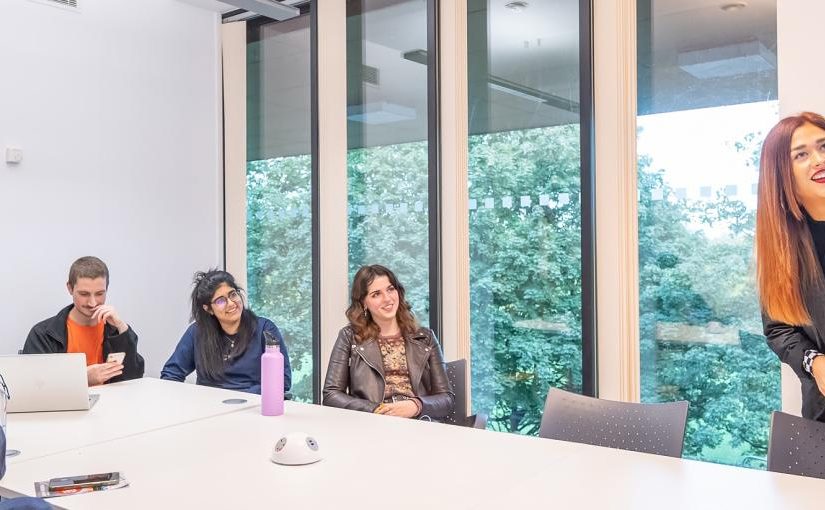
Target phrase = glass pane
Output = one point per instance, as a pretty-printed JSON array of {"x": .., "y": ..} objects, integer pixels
[
  {"x": 387, "y": 166},
  {"x": 279, "y": 227},
  {"x": 707, "y": 96},
  {"x": 525, "y": 207}
]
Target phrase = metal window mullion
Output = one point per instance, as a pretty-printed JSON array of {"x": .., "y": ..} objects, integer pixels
[
  {"x": 588, "y": 193},
  {"x": 434, "y": 164},
  {"x": 314, "y": 204}
]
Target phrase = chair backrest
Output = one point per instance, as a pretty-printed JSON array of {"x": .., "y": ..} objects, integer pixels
[
  {"x": 476, "y": 421},
  {"x": 457, "y": 375},
  {"x": 650, "y": 428},
  {"x": 797, "y": 446}
]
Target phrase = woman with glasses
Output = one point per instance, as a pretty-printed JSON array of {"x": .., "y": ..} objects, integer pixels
[
  {"x": 384, "y": 362},
  {"x": 225, "y": 342}
]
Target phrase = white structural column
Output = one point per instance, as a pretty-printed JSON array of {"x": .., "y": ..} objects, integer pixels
[
  {"x": 233, "y": 36},
  {"x": 331, "y": 38},
  {"x": 800, "y": 89},
  {"x": 616, "y": 207},
  {"x": 455, "y": 242}
]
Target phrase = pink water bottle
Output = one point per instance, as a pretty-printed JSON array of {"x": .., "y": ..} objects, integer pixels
[{"x": 272, "y": 378}]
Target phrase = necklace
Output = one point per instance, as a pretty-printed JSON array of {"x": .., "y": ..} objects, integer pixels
[{"x": 227, "y": 355}]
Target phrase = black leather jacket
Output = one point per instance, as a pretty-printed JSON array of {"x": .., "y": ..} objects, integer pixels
[
  {"x": 355, "y": 376},
  {"x": 790, "y": 343}
]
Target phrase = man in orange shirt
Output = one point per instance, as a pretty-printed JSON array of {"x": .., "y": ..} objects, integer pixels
[{"x": 89, "y": 326}]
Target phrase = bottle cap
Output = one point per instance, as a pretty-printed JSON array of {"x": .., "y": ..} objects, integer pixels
[{"x": 271, "y": 341}]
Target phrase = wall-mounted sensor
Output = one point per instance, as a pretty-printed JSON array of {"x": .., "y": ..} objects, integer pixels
[{"x": 14, "y": 155}]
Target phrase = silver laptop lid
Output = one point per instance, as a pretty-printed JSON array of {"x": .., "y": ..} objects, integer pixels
[{"x": 46, "y": 382}]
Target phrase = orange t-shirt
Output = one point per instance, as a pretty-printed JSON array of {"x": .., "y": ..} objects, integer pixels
[{"x": 86, "y": 339}]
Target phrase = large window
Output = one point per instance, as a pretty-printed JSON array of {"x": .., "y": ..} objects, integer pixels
[
  {"x": 279, "y": 168},
  {"x": 525, "y": 201},
  {"x": 387, "y": 126},
  {"x": 707, "y": 96}
]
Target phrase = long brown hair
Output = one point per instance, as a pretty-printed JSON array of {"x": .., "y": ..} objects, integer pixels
[
  {"x": 786, "y": 261},
  {"x": 362, "y": 324}
]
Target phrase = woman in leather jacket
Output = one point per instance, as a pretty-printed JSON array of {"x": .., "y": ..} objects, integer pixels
[{"x": 383, "y": 362}]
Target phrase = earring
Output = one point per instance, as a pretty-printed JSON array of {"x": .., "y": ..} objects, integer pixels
[{"x": 365, "y": 313}]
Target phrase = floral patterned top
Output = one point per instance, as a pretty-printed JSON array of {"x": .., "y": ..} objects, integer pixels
[{"x": 396, "y": 372}]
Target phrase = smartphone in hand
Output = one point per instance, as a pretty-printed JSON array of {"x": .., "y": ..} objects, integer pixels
[{"x": 116, "y": 357}]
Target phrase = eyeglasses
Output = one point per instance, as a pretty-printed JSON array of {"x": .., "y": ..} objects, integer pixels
[{"x": 222, "y": 301}]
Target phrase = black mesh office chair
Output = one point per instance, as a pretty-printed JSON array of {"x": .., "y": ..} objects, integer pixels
[
  {"x": 457, "y": 374},
  {"x": 650, "y": 428},
  {"x": 797, "y": 446},
  {"x": 476, "y": 421}
]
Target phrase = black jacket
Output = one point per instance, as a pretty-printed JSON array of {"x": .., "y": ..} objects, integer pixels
[
  {"x": 355, "y": 377},
  {"x": 51, "y": 336},
  {"x": 791, "y": 342}
]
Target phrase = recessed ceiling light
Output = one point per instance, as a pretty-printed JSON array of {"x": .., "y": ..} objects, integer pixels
[
  {"x": 517, "y": 5},
  {"x": 734, "y": 6}
]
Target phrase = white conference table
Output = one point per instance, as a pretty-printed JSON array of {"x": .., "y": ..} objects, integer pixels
[
  {"x": 123, "y": 409},
  {"x": 382, "y": 462}
]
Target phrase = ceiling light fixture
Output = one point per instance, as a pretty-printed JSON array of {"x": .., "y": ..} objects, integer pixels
[
  {"x": 734, "y": 6},
  {"x": 509, "y": 87},
  {"x": 517, "y": 5},
  {"x": 238, "y": 15},
  {"x": 269, "y": 8},
  {"x": 380, "y": 113},
  {"x": 727, "y": 60}
]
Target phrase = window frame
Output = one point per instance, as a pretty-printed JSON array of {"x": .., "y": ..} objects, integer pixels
[{"x": 450, "y": 278}]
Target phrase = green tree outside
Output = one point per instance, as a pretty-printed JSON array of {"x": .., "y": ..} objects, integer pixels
[{"x": 526, "y": 280}]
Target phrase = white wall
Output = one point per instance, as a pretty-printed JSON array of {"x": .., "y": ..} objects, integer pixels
[
  {"x": 117, "y": 110},
  {"x": 801, "y": 77}
]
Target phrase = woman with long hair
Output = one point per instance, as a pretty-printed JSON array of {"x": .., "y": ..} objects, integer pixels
[
  {"x": 225, "y": 342},
  {"x": 790, "y": 251},
  {"x": 383, "y": 362}
]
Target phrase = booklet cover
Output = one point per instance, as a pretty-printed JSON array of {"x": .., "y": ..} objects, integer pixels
[{"x": 41, "y": 489}]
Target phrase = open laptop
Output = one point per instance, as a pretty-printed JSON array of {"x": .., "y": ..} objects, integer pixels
[{"x": 46, "y": 382}]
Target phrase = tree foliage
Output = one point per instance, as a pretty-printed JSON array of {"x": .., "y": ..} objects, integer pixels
[
  {"x": 695, "y": 272},
  {"x": 388, "y": 219},
  {"x": 525, "y": 272},
  {"x": 279, "y": 256}
]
